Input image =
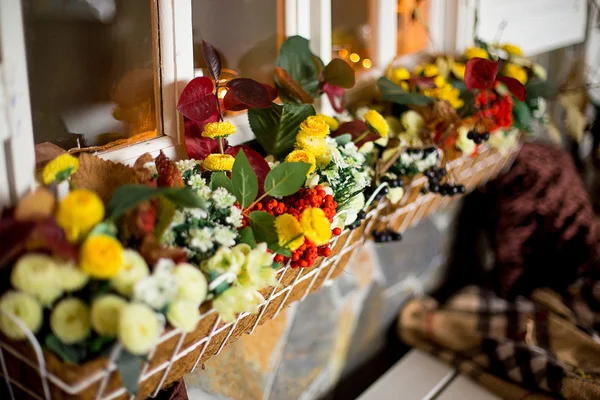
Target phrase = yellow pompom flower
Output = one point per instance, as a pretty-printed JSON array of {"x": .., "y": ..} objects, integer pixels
[
  {"x": 70, "y": 277},
  {"x": 183, "y": 315},
  {"x": 60, "y": 169},
  {"x": 305, "y": 157},
  {"x": 316, "y": 146},
  {"x": 70, "y": 321},
  {"x": 427, "y": 70},
  {"x": 218, "y": 162},
  {"x": 333, "y": 123},
  {"x": 458, "y": 69},
  {"x": 25, "y": 308},
  {"x": 512, "y": 49},
  {"x": 78, "y": 213},
  {"x": 476, "y": 52},
  {"x": 105, "y": 314},
  {"x": 191, "y": 284},
  {"x": 439, "y": 81},
  {"x": 37, "y": 275},
  {"x": 218, "y": 129},
  {"x": 133, "y": 269},
  {"x": 516, "y": 72},
  {"x": 377, "y": 123},
  {"x": 139, "y": 328},
  {"x": 315, "y": 126},
  {"x": 316, "y": 226},
  {"x": 101, "y": 256},
  {"x": 289, "y": 231},
  {"x": 400, "y": 74},
  {"x": 405, "y": 86}
]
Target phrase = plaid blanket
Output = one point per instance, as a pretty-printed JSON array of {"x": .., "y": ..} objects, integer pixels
[{"x": 541, "y": 347}]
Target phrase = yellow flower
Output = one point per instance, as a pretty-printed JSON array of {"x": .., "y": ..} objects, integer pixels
[
  {"x": 133, "y": 269},
  {"x": 70, "y": 321},
  {"x": 427, "y": 70},
  {"x": 377, "y": 123},
  {"x": 405, "y": 86},
  {"x": 400, "y": 74},
  {"x": 218, "y": 162},
  {"x": 333, "y": 123},
  {"x": 289, "y": 231},
  {"x": 458, "y": 69},
  {"x": 25, "y": 308},
  {"x": 512, "y": 49},
  {"x": 476, "y": 52},
  {"x": 514, "y": 71},
  {"x": 303, "y": 156},
  {"x": 60, "y": 169},
  {"x": 183, "y": 315},
  {"x": 439, "y": 81},
  {"x": 139, "y": 328},
  {"x": 237, "y": 299},
  {"x": 191, "y": 284},
  {"x": 316, "y": 146},
  {"x": 78, "y": 213},
  {"x": 101, "y": 256},
  {"x": 315, "y": 126},
  {"x": 37, "y": 275},
  {"x": 218, "y": 129},
  {"x": 70, "y": 277},
  {"x": 105, "y": 314},
  {"x": 316, "y": 226}
]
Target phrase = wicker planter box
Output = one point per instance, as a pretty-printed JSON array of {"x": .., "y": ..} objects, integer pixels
[{"x": 31, "y": 373}]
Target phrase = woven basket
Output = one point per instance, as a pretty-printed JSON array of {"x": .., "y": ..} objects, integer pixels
[{"x": 31, "y": 373}]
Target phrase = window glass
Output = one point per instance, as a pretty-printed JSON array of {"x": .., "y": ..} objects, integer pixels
[
  {"x": 413, "y": 18},
  {"x": 352, "y": 32},
  {"x": 91, "y": 71},
  {"x": 247, "y": 34}
]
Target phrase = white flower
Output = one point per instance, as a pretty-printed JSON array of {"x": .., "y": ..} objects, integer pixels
[
  {"x": 312, "y": 180},
  {"x": 178, "y": 218},
  {"x": 139, "y": 328},
  {"x": 37, "y": 274},
  {"x": 204, "y": 192},
  {"x": 23, "y": 306},
  {"x": 225, "y": 260},
  {"x": 367, "y": 147},
  {"x": 201, "y": 239},
  {"x": 225, "y": 236},
  {"x": 412, "y": 122},
  {"x": 158, "y": 289},
  {"x": 185, "y": 165},
  {"x": 352, "y": 208},
  {"x": 197, "y": 213},
  {"x": 71, "y": 278},
  {"x": 134, "y": 269},
  {"x": 222, "y": 198},
  {"x": 105, "y": 314},
  {"x": 183, "y": 315},
  {"x": 540, "y": 110},
  {"x": 463, "y": 143},
  {"x": 191, "y": 284},
  {"x": 235, "y": 217},
  {"x": 196, "y": 181},
  {"x": 70, "y": 321},
  {"x": 360, "y": 112},
  {"x": 504, "y": 141}
]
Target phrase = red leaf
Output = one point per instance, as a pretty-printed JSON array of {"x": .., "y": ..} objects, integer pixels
[
  {"x": 259, "y": 165},
  {"x": 246, "y": 93},
  {"x": 335, "y": 94},
  {"x": 48, "y": 236},
  {"x": 355, "y": 128},
  {"x": 514, "y": 86},
  {"x": 272, "y": 91},
  {"x": 423, "y": 82},
  {"x": 197, "y": 146},
  {"x": 212, "y": 59},
  {"x": 197, "y": 101},
  {"x": 480, "y": 73}
]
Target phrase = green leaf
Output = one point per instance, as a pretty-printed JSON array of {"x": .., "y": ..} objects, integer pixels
[
  {"x": 247, "y": 236},
  {"x": 219, "y": 179},
  {"x": 129, "y": 366},
  {"x": 297, "y": 59},
  {"x": 521, "y": 115},
  {"x": 276, "y": 127},
  {"x": 100, "y": 343},
  {"x": 276, "y": 248},
  {"x": 538, "y": 88},
  {"x": 127, "y": 197},
  {"x": 243, "y": 180},
  {"x": 104, "y": 228},
  {"x": 460, "y": 85},
  {"x": 286, "y": 178},
  {"x": 339, "y": 73},
  {"x": 394, "y": 93},
  {"x": 69, "y": 353},
  {"x": 344, "y": 139},
  {"x": 164, "y": 216},
  {"x": 263, "y": 225},
  {"x": 212, "y": 275}
]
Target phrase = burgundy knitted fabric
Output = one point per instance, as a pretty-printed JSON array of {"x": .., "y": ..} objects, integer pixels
[{"x": 543, "y": 226}]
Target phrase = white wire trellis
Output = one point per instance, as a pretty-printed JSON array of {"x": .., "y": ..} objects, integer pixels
[{"x": 467, "y": 170}]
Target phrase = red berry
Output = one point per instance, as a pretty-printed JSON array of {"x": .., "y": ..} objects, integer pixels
[
  {"x": 337, "y": 231},
  {"x": 327, "y": 252}
]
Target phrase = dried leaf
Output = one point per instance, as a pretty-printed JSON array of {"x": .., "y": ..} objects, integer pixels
[
  {"x": 102, "y": 176},
  {"x": 553, "y": 132},
  {"x": 143, "y": 174},
  {"x": 168, "y": 173},
  {"x": 152, "y": 251},
  {"x": 286, "y": 81},
  {"x": 574, "y": 103},
  {"x": 36, "y": 205}
]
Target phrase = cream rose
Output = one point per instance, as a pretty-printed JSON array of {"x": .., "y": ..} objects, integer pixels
[
  {"x": 105, "y": 314},
  {"x": 23, "y": 306},
  {"x": 139, "y": 328},
  {"x": 37, "y": 275},
  {"x": 191, "y": 284},
  {"x": 183, "y": 315},
  {"x": 70, "y": 321}
]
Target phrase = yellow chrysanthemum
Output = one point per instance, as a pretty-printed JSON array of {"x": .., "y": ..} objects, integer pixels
[
  {"x": 377, "y": 123},
  {"x": 333, "y": 123},
  {"x": 59, "y": 169},
  {"x": 316, "y": 146},
  {"x": 139, "y": 328},
  {"x": 514, "y": 71},
  {"x": 101, "y": 256},
  {"x": 316, "y": 226},
  {"x": 37, "y": 275},
  {"x": 439, "y": 81},
  {"x": 70, "y": 321},
  {"x": 78, "y": 213},
  {"x": 458, "y": 69},
  {"x": 218, "y": 129},
  {"x": 405, "y": 86},
  {"x": 289, "y": 231},
  {"x": 512, "y": 49},
  {"x": 427, "y": 70},
  {"x": 105, "y": 314},
  {"x": 25, "y": 308},
  {"x": 183, "y": 315},
  {"x": 476, "y": 52},
  {"x": 218, "y": 162},
  {"x": 400, "y": 74},
  {"x": 305, "y": 157},
  {"x": 315, "y": 126}
]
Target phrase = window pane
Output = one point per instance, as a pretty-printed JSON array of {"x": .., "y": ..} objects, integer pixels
[
  {"x": 91, "y": 71},
  {"x": 352, "y": 32},
  {"x": 247, "y": 34},
  {"x": 413, "y": 17}
]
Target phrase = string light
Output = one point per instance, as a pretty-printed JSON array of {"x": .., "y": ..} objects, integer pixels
[
  {"x": 367, "y": 64},
  {"x": 354, "y": 57}
]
